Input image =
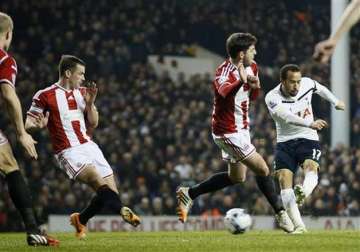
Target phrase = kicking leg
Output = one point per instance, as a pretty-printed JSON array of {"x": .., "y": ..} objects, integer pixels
[{"x": 310, "y": 181}]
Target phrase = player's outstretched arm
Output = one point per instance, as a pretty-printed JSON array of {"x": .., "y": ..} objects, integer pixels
[
  {"x": 15, "y": 112},
  {"x": 325, "y": 93},
  {"x": 351, "y": 15},
  {"x": 318, "y": 124}
]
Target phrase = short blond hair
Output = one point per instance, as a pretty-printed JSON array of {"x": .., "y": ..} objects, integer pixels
[{"x": 6, "y": 22}]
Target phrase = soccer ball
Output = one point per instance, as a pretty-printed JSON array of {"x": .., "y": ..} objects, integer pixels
[{"x": 237, "y": 221}]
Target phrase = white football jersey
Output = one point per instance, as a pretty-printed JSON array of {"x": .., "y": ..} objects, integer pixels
[{"x": 300, "y": 106}]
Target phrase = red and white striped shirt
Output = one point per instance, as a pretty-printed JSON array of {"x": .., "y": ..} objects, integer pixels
[
  {"x": 8, "y": 69},
  {"x": 231, "y": 100},
  {"x": 66, "y": 123}
]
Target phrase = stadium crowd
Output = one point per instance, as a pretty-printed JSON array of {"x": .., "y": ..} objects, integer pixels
[{"x": 155, "y": 131}]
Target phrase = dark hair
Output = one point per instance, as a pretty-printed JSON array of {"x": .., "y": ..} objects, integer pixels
[
  {"x": 238, "y": 42},
  {"x": 69, "y": 62},
  {"x": 286, "y": 68}
]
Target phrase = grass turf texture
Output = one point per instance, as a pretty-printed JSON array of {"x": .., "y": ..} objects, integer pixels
[{"x": 194, "y": 241}]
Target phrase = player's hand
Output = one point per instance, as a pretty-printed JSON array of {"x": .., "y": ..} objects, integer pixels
[
  {"x": 253, "y": 81},
  {"x": 318, "y": 124},
  {"x": 324, "y": 50},
  {"x": 242, "y": 72},
  {"x": 91, "y": 92},
  {"x": 40, "y": 121},
  {"x": 29, "y": 144},
  {"x": 340, "y": 105}
]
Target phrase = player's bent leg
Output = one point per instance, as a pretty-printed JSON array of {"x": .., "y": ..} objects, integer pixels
[
  {"x": 237, "y": 172},
  {"x": 89, "y": 176},
  {"x": 311, "y": 176},
  {"x": 126, "y": 213},
  {"x": 285, "y": 178},
  {"x": 111, "y": 183},
  {"x": 257, "y": 164}
]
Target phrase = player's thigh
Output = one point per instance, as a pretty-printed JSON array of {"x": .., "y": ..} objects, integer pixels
[
  {"x": 309, "y": 154},
  {"x": 78, "y": 164},
  {"x": 237, "y": 172},
  {"x": 111, "y": 183},
  {"x": 101, "y": 164},
  {"x": 285, "y": 178},
  {"x": 90, "y": 176},
  {"x": 8, "y": 162},
  {"x": 235, "y": 147},
  {"x": 285, "y": 157},
  {"x": 257, "y": 164}
]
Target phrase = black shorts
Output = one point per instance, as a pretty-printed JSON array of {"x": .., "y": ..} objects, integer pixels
[{"x": 291, "y": 154}]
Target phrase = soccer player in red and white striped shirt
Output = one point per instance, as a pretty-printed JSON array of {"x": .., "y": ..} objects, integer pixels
[
  {"x": 18, "y": 189},
  {"x": 236, "y": 83},
  {"x": 68, "y": 111}
]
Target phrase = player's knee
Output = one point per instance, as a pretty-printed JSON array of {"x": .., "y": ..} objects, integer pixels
[
  {"x": 237, "y": 179},
  {"x": 281, "y": 176},
  {"x": 310, "y": 165},
  {"x": 263, "y": 172},
  {"x": 5, "y": 170}
]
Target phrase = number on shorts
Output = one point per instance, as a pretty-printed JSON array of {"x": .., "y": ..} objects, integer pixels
[{"x": 316, "y": 154}]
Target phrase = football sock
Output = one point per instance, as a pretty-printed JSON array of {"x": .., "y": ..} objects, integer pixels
[
  {"x": 216, "y": 182},
  {"x": 21, "y": 198},
  {"x": 267, "y": 187},
  {"x": 95, "y": 206},
  {"x": 289, "y": 200},
  {"x": 110, "y": 199},
  {"x": 310, "y": 182}
]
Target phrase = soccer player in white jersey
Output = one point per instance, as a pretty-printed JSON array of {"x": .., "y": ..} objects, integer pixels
[
  {"x": 9, "y": 168},
  {"x": 289, "y": 104},
  {"x": 236, "y": 83},
  {"x": 68, "y": 111}
]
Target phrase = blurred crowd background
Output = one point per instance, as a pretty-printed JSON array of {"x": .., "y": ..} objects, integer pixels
[{"x": 155, "y": 131}]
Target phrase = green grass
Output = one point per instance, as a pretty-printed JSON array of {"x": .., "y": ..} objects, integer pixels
[{"x": 194, "y": 241}]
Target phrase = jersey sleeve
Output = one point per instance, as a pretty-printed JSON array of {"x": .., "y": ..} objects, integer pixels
[
  {"x": 8, "y": 71},
  {"x": 325, "y": 93},
  {"x": 272, "y": 102},
  {"x": 225, "y": 82},
  {"x": 38, "y": 105}
]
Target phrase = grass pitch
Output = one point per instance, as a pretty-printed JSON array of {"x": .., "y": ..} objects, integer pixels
[{"x": 194, "y": 241}]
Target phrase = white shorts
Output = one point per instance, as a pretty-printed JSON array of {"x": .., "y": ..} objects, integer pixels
[
  {"x": 73, "y": 160},
  {"x": 3, "y": 138},
  {"x": 235, "y": 147}
]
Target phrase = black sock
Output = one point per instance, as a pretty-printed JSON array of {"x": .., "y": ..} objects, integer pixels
[
  {"x": 216, "y": 182},
  {"x": 267, "y": 187},
  {"x": 95, "y": 206},
  {"x": 110, "y": 199},
  {"x": 21, "y": 198}
]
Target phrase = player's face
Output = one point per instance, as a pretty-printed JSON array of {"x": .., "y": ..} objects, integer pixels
[
  {"x": 249, "y": 55},
  {"x": 292, "y": 83},
  {"x": 77, "y": 76}
]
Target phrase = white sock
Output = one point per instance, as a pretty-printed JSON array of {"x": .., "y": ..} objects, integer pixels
[
  {"x": 310, "y": 182},
  {"x": 289, "y": 201}
]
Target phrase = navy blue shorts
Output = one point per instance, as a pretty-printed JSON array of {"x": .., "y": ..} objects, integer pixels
[{"x": 292, "y": 154}]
